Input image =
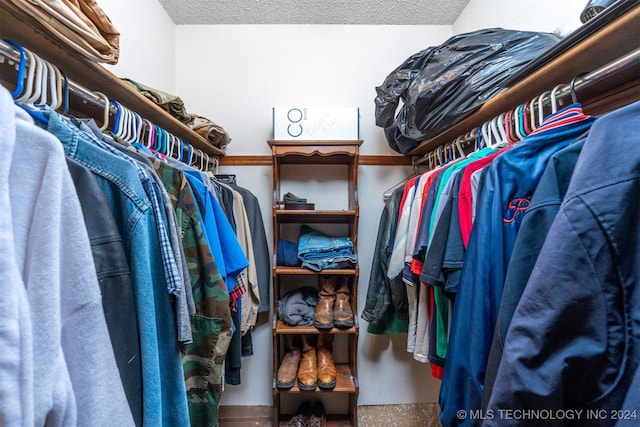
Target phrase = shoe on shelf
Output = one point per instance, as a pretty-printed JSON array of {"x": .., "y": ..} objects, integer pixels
[
  {"x": 326, "y": 367},
  {"x": 318, "y": 417},
  {"x": 323, "y": 314},
  {"x": 342, "y": 313},
  {"x": 308, "y": 368},
  {"x": 288, "y": 370},
  {"x": 292, "y": 198},
  {"x": 301, "y": 418}
]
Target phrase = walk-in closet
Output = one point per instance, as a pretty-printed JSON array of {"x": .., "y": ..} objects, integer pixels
[{"x": 319, "y": 214}]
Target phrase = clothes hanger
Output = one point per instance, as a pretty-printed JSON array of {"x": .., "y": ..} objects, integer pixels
[
  {"x": 150, "y": 133},
  {"x": 204, "y": 167},
  {"x": 136, "y": 127},
  {"x": 518, "y": 117},
  {"x": 58, "y": 86},
  {"x": 541, "y": 107},
  {"x": 512, "y": 125},
  {"x": 125, "y": 123},
  {"x": 28, "y": 86},
  {"x": 486, "y": 139},
  {"x": 157, "y": 139},
  {"x": 492, "y": 131},
  {"x": 495, "y": 134},
  {"x": 133, "y": 120},
  {"x": 122, "y": 122},
  {"x": 554, "y": 97},
  {"x": 454, "y": 152},
  {"x": 216, "y": 165},
  {"x": 22, "y": 65},
  {"x": 50, "y": 80},
  {"x": 572, "y": 88},
  {"x": 533, "y": 123},
  {"x": 440, "y": 153},
  {"x": 171, "y": 144},
  {"x": 65, "y": 93},
  {"x": 164, "y": 140},
  {"x": 475, "y": 136},
  {"x": 132, "y": 126},
  {"x": 180, "y": 149},
  {"x": 502, "y": 129},
  {"x": 508, "y": 130},
  {"x": 29, "y": 90},
  {"x": 37, "y": 83},
  {"x": 165, "y": 143},
  {"x": 117, "y": 121},
  {"x": 105, "y": 116},
  {"x": 195, "y": 163},
  {"x": 189, "y": 153},
  {"x": 458, "y": 142},
  {"x": 446, "y": 152}
]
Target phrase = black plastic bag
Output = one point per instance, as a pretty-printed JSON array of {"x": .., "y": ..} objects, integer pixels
[{"x": 440, "y": 86}]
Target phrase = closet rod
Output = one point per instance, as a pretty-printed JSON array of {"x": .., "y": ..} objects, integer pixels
[
  {"x": 625, "y": 63},
  {"x": 607, "y": 71},
  {"x": 11, "y": 53}
]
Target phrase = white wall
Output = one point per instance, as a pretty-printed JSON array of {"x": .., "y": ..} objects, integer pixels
[
  {"x": 236, "y": 74},
  {"x": 147, "y": 43},
  {"x": 243, "y": 74}
]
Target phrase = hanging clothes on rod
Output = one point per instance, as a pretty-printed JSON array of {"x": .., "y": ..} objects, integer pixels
[
  {"x": 127, "y": 125},
  {"x": 581, "y": 287},
  {"x": 159, "y": 212},
  {"x": 54, "y": 331},
  {"x": 469, "y": 231}
]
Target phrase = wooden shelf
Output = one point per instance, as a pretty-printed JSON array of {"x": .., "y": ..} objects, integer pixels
[
  {"x": 299, "y": 271},
  {"x": 15, "y": 25},
  {"x": 315, "y": 152},
  {"x": 363, "y": 160},
  {"x": 316, "y": 216},
  {"x": 315, "y": 143},
  {"x": 345, "y": 383},
  {"x": 604, "y": 46},
  {"x": 332, "y": 421},
  {"x": 282, "y": 328}
]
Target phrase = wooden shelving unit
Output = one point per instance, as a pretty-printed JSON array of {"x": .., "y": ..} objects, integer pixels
[{"x": 344, "y": 153}]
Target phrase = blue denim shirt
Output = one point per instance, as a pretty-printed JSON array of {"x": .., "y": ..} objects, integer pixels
[
  {"x": 318, "y": 251},
  {"x": 172, "y": 274},
  {"x": 164, "y": 392}
]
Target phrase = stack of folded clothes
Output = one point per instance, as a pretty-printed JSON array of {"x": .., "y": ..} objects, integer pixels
[
  {"x": 172, "y": 104},
  {"x": 319, "y": 251}
]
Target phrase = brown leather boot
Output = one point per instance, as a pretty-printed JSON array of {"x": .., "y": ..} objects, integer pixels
[
  {"x": 288, "y": 369},
  {"x": 326, "y": 367},
  {"x": 342, "y": 313},
  {"x": 323, "y": 315},
  {"x": 308, "y": 368}
]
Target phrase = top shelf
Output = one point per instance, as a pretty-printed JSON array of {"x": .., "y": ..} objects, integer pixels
[
  {"x": 316, "y": 152},
  {"x": 15, "y": 25},
  {"x": 609, "y": 43}
]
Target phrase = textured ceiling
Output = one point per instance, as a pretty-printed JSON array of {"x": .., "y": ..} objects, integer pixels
[{"x": 354, "y": 12}]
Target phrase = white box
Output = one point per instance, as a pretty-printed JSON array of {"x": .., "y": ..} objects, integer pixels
[{"x": 316, "y": 123}]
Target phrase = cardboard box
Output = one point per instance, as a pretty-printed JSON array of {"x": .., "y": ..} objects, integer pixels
[{"x": 316, "y": 123}]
